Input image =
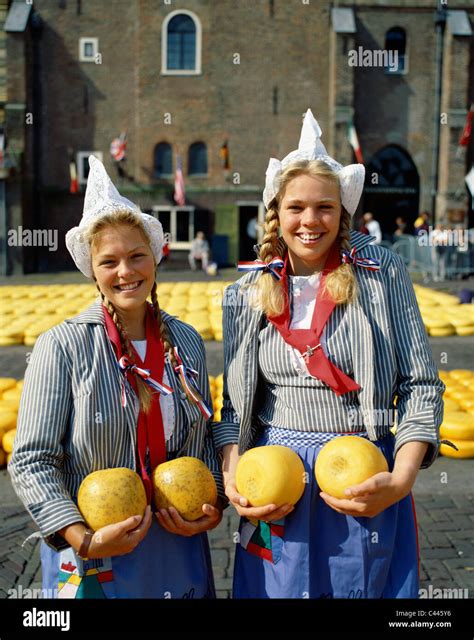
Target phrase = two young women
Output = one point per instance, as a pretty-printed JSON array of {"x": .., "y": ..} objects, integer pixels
[{"x": 321, "y": 338}]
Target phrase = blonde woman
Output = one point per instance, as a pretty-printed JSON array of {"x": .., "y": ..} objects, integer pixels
[
  {"x": 321, "y": 337},
  {"x": 111, "y": 388}
]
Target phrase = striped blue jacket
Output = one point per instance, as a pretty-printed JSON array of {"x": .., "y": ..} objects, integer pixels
[
  {"x": 390, "y": 356},
  {"x": 71, "y": 421}
]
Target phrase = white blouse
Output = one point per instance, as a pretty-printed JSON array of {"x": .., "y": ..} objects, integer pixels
[
  {"x": 166, "y": 402},
  {"x": 304, "y": 293}
]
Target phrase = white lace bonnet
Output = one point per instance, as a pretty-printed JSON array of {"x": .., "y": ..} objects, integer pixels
[
  {"x": 102, "y": 198},
  {"x": 310, "y": 147}
]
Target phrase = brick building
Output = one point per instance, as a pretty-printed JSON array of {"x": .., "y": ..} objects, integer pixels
[{"x": 223, "y": 85}]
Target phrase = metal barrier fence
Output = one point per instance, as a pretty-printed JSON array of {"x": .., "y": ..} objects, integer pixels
[{"x": 436, "y": 263}]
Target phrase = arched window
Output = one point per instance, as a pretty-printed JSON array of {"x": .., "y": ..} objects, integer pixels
[
  {"x": 197, "y": 159},
  {"x": 181, "y": 43},
  {"x": 396, "y": 42},
  {"x": 163, "y": 161}
]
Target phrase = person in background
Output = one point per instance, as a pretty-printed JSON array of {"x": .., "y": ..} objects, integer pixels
[
  {"x": 438, "y": 252},
  {"x": 373, "y": 227},
  {"x": 422, "y": 223},
  {"x": 199, "y": 251},
  {"x": 401, "y": 226}
]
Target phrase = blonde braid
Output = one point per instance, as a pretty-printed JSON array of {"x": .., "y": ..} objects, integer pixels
[
  {"x": 341, "y": 284},
  {"x": 144, "y": 392},
  {"x": 165, "y": 335},
  {"x": 267, "y": 293}
]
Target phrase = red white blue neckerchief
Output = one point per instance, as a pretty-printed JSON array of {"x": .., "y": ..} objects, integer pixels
[
  {"x": 188, "y": 379},
  {"x": 365, "y": 263},
  {"x": 126, "y": 365},
  {"x": 271, "y": 267}
]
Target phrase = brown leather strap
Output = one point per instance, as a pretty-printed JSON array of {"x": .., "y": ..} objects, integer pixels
[{"x": 86, "y": 541}]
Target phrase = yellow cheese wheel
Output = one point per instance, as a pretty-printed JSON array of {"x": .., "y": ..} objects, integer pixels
[
  {"x": 271, "y": 474},
  {"x": 199, "y": 303},
  {"x": 186, "y": 484},
  {"x": 12, "y": 394},
  {"x": 8, "y": 439},
  {"x": 7, "y": 383},
  {"x": 11, "y": 341},
  {"x": 165, "y": 287},
  {"x": 458, "y": 425},
  {"x": 345, "y": 461},
  {"x": 441, "y": 332},
  {"x": 451, "y": 405},
  {"x": 9, "y": 405},
  {"x": 466, "y": 403},
  {"x": 7, "y": 420},
  {"x": 438, "y": 322},
  {"x": 459, "y": 374},
  {"x": 461, "y": 394},
  {"x": 465, "y": 449},
  {"x": 111, "y": 495}
]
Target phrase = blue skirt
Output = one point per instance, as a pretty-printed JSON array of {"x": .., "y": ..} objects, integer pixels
[
  {"x": 163, "y": 565},
  {"x": 316, "y": 552}
]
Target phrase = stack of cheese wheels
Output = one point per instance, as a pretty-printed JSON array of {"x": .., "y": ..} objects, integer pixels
[
  {"x": 197, "y": 313},
  {"x": 218, "y": 400},
  {"x": 215, "y": 295},
  {"x": 28, "y": 311},
  {"x": 10, "y": 391},
  {"x": 458, "y": 421},
  {"x": 442, "y": 313}
]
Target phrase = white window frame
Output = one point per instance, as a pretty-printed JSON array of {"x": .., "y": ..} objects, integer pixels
[
  {"x": 174, "y": 210},
  {"x": 95, "y": 47},
  {"x": 164, "y": 48},
  {"x": 80, "y": 155}
]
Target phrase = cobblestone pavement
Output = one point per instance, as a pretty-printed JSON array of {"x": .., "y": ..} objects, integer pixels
[{"x": 444, "y": 495}]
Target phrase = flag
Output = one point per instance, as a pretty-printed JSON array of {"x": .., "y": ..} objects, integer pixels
[
  {"x": 73, "y": 184},
  {"x": 354, "y": 141},
  {"x": 224, "y": 154},
  {"x": 179, "y": 184},
  {"x": 118, "y": 147},
  {"x": 466, "y": 134}
]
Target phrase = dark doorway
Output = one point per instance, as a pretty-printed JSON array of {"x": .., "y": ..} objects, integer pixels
[
  {"x": 392, "y": 189},
  {"x": 248, "y": 219}
]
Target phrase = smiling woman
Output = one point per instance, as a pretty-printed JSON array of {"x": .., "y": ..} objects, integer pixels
[{"x": 138, "y": 411}]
